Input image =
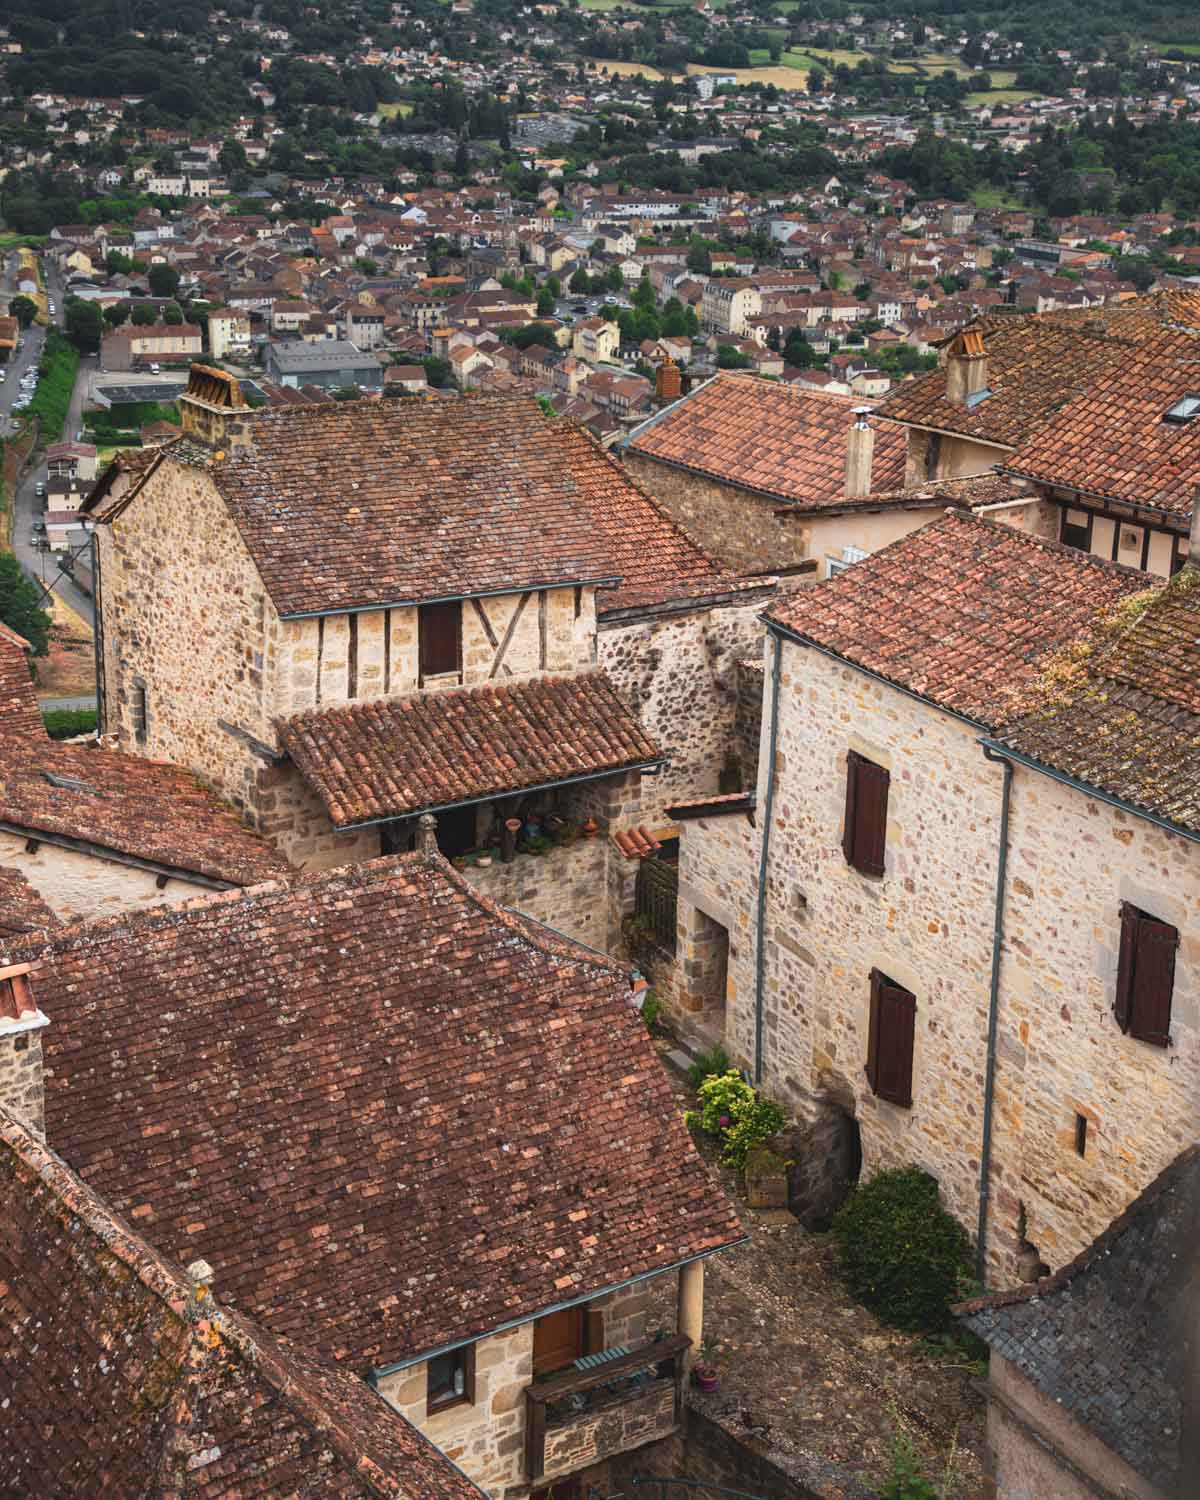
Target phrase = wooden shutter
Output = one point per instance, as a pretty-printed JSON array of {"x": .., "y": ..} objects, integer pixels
[
  {"x": 440, "y": 630},
  {"x": 890, "y": 1040},
  {"x": 1123, "y": 1000},
  {"x": 864, "y": 836},
  {"x": 1153, "y": 981}
]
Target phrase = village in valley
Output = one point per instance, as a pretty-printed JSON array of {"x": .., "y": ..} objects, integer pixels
[{"x": 600, "y": 750}]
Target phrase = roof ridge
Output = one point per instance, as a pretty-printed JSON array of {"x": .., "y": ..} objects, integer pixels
[{"x": 1051, "y": 545}]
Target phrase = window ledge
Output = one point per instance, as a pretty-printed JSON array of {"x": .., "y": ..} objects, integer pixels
[{"x": 446, "y": 1403}]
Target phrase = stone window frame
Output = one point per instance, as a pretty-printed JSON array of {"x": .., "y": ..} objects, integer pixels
[{"x": 462, "y": 1358}]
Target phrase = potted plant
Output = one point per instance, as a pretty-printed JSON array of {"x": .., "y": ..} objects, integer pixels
[{"x": 704, "y": 1372}]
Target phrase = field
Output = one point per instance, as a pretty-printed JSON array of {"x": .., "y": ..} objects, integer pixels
[
  {"x": 390, "y": 111},
  {"x": 1002, "y": 96},
  {"x": 986, "y": 197},
  {"x": 618, "y": 69},
  {"x": 782, "y": 76}
]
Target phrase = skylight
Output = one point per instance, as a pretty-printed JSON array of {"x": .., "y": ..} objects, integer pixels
[
  {"x": 978, "y": 397},
  {"x": 1183, "y": 410},
  {"x": 68, "y": 783}
]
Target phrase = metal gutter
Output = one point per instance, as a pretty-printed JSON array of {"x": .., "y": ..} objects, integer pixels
[
  {"x": 1094, "y": 496},
  {"x": 647, "y": 767},
  {"x": 380, "y": 1372},
  {"x": 520, "y": 588},
  {"x": 1089, "y": 790},
  {"x": 989, "y": 1083},
  {"x": 761, "y": 914}
]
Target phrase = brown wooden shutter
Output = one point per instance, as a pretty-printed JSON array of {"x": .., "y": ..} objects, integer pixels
[
  {"x": 1123, "y": 1000},
  {"x": 1153, "y": 981},
  {"x": 440, "y": 631},
  {"x": 890, "y": 1040},
  {"x": 864, "y": 837}
]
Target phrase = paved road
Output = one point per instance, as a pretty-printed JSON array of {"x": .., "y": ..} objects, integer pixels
[{"x": 42, "y": 567}]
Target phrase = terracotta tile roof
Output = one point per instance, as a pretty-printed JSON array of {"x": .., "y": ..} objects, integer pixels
[
  {"x": 120, "y": 1376},
  {"x": 21, "y": 906},
  {"x": 19, "y": 711},
  {"x": 961, "y": 612},
  {"x": 1035, "y": 365},
  {"x": 1101, "y": 1338},
  {"x": 1123, "y": 714},
  {"x": 973, "y": 492},
  {"x": 1112, "y": 442},
  {"x": 393, "y": 756},
  {"x": 781, "y": 440},
  {"x": 432, "y": 1116},
  {"x": 361, "y": 503}
]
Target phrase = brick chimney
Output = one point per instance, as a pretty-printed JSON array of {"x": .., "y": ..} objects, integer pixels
[
  {"x": 214, "y": 411},
  {"x": 21, "y": 1023},
  {"x": 668, "y": 382},
  {"x": 860, "y": 450},
  {"x": 966, "y": 367}
]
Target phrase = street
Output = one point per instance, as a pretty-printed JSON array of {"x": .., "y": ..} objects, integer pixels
[{"x": 41, "y": 566}]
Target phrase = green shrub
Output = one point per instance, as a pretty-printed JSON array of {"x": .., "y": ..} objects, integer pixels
[
  {"x": 737, "y": 1114},
  {"x": 652, "y": 1009},
  {"x": 906, "y": 1480},
  {"x": 66, "y": 723},
  {"x": 708, "y": 1063},
  {"x": 902, "y": 1254}
]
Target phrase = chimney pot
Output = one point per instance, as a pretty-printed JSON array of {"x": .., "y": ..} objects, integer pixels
[
  {"x": 966, "y": 367},
  {"x": 427, "y": 834}
]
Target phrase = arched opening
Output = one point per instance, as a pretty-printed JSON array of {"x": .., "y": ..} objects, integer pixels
[{"x": 827, "y": 1159}]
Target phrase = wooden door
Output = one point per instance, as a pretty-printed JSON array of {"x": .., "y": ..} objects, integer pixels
[{"x": 557, "y": 1340}]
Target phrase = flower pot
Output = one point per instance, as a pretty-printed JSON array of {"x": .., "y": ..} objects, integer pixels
[
  {"x": 483, "y": 861},
  {"x": 706, "y": 1380},
  {"x": 591, "y": 828},
  {"x": 508, "y": 840}
]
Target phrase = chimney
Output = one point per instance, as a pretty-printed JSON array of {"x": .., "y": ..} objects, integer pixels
[
  {"x": 966, "y": 367},
  {"x": 667, "y": 382},
  {"x": 213, "y": 410},
  {"x": 427, "y": 834},
  {"x": 1194, "y": 534},
  {"x": 860, "y": 449},
  {"x": 21, "y": 1022}
]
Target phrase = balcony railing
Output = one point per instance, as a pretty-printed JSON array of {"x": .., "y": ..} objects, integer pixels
[{"x": 581, "y": 1416}]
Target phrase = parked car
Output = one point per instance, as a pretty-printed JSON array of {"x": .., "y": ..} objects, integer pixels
[{"x": 39, "y": 489}]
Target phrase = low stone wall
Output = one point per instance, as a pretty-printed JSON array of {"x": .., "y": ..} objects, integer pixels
[
  {"x": 591, "y": 1437},
  {"x": 564, "y": 888}
]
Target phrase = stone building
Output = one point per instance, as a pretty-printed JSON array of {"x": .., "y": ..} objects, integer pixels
[
  {"x": 442, "y": 1156},
  {"x": 1094, "y": 1374},
  {"x": 90, "y": 831},
  {"x": 861, "y": 982},
  {"x": 369, "y": 611},
  {"x": 785, "y": 479},
  {"x": 1092, "y": 410}
]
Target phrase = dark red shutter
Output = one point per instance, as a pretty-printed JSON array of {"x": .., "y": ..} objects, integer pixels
[
  {"x": 440, "y": 628},
  {"x": 870, "y": 823},
  {"x": 890, "y": 1040},
  {"x": 1123, "y": 1000},
  {"x": 1153, "y": 981},
  {"x": 853, "y": 761}
]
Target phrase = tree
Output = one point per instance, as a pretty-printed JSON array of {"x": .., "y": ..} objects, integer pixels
[
  {"x": 143, "y": 315},
  {"x": 580, "y": 281},
  {"x": 438, "y": 372},
  {"x": 116, "y": 314},
  {"x": 173, "y": 314},
  {"x": 545, "y": 303},
  {"x": 163, "y": 279},
  {"x": 20, "y": 605},
  {"x": 85, "y": 324},
  {"x": 729, "y": 358},
  {"x": 232, "y": 158},
  {"x": 24, "y": 309}
]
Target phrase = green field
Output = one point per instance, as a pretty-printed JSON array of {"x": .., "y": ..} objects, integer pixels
[
  {"x": 390, "y": 111},
  {"x": 986, "y": 197},
  {"x": 1002, "y": 96},
  {"x": 759, "y": 57}
]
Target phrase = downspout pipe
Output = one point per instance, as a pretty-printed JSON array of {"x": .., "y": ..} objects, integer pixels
[
  {"x": 989, "y": 1083},
  {"x": 764, "y": 857}
]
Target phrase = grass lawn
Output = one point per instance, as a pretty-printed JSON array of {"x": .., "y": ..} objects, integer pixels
[
  {"x": 943, "y": 62},
  {"x": 759, "y": 57},
  {"x": 1002, "y": 96},
  {"x": 986, "y": 197},
  {"x": 799, "y": 60},
  {"x": 390, "y": 111}
]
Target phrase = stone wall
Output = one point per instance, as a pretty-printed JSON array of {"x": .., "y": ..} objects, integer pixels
[
  {"x": 735, "y": 525},
  {"x": 747, "y": 718},
  {"x": 21, "y": 1078},
  {"x": 594, "y": 1436},
  {"x": 957, "y": 457},
  {"x": 680, "y": 675},
  {"x": 561, "y": 888},
  {"x": 79, "y": 887},
  {"x": 285, "y": 810}
]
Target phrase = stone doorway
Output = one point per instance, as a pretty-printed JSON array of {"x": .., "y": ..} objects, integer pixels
[
  {"x": 706, "y": 971},
  {"x": 827, "y": 1158}
]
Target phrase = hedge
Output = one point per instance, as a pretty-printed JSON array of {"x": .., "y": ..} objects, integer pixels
[{"x": 66, "y": 723}]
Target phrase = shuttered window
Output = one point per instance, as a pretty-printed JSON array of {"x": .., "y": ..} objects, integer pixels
[
  {"x": 440, "y": 630},
  {"x": 890, "y": 1040},
  {"x": 865, "y": 830},
  {"x": 1145, "y": 977}
]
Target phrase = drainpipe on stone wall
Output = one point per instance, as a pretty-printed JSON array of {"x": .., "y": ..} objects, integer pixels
[
  {"x": 989, "y": 1083},
  {"x": 768, "y": 809}
]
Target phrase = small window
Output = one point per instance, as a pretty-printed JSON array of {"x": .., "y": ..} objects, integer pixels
[
  {"x": 450, "y": 1379},
  {"x": 850, "y": 555},
  {"x": 890, "y": 1040},
  {"x": 1145, "y": 977},
  {"x": 1081, "y": 1135},
  {"x": 864, "y": 834},
  {"x": 138, "y": 711},
  {"x": 1183, "y": 410},
  {"x": 440, "y": 631},
  {"x": 1077, "y": 530}
]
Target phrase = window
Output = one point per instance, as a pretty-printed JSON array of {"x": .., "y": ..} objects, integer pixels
[
  {"x": 1081, "y": 1135},
  {"x": 1076, "y": 530},
  {"x": 865, "y": 830},
  {"x": 1184, "y": 410},
  {"x": 440, "y": 631},
  {"x": 1145, "y": 977},
  {"x": 890, "y": 1040},
  {"x": 840, "y": 564},
  {"x": 450, "y": 1379},
  {"x": 138, "y": 711}
]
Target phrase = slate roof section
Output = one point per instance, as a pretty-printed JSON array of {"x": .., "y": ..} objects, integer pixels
[
  {"x": 21, "y": 906},
  {"x": 389, "y": 1114},
  {"x": 1035, "y": 366},
  {"x": 781, "y": 441},
  {"x": 961, "y": 612},
  {"x": 1124, "y": 717},
  {"x": 359, "y": 504},
  {"x": 1102, "y": 1336},
  {"x": 390, "y": 757},
  {"x": 1113, "y": 444},
  {"x": 19, "y": 711},
  {"x": 119, "y": 1375}
]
